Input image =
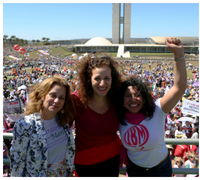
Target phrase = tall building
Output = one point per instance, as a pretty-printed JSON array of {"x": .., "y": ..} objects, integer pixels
[
  {"x": 125, "y": 20},
  {"x": 127, "y": 24},
  {"x": 116, "y": 23}
]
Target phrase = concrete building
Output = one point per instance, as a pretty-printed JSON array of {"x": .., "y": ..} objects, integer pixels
[
  {"x": 116, "y": 23},
  {"x": 127, "y": 23},
  {"x": 102, "y": 44},
  {"x": 125, "y": 20}
]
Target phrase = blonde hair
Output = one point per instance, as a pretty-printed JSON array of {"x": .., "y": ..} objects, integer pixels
[
  {"x": 38, "y": 91},
  {"x": 178, "y": 159}
]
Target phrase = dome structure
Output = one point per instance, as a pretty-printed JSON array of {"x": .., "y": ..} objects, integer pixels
[
  {"x": 98, "y": 41},
  {"x": 184, "y": 40}
]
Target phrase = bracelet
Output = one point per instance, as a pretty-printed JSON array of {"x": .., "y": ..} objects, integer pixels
[{"x": 178, "y": 59}]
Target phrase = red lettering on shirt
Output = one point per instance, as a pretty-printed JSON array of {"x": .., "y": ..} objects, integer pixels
[{"x": 136, "y": 135}]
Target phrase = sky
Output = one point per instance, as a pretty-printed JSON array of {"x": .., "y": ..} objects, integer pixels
[{"x": 67, "y": 21}]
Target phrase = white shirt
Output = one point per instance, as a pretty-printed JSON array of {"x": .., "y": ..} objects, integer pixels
[
  {"x": 179, "y": 133},
  {"x": 194, "y": 135},
  {"x": 145, "y": 142},
  {"x": 56, "y": 144}
]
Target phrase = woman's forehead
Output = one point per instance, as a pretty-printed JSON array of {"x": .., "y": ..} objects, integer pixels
[{"x": 132, "y": 88}]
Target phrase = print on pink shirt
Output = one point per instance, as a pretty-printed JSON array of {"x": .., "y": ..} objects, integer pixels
[{"x": 136, "y": 136}]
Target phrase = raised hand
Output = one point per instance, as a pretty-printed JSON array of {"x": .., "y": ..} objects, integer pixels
[{"x": 175, "y": 46}]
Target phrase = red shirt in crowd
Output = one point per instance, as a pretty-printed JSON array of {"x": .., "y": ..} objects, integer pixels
[{"x": 180, "y": 150}]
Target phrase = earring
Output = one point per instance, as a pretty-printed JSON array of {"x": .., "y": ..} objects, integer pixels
[
  {"x": 41, "y": 102},
  {"x": 62, "y": 111}
]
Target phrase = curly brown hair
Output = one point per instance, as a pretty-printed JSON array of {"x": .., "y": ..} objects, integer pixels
[
  {"x": 84, "y": 69},
  {"x": 38, "y": 91}
]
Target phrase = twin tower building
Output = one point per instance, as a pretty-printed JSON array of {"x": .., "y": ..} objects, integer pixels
[{"x": 119, "y": 21}]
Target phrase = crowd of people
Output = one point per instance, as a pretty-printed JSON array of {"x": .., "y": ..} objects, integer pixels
[{"x": 94, "y": 106}]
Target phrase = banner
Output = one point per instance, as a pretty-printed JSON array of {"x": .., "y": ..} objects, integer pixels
[
  {"x": 14, "y": 118},
  {"x": 12, "y": 107},
  {"x": 190, "y": 107},
  {"x": 45, "y": 53}
]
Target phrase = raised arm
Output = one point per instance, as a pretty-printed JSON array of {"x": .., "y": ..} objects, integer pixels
[{"x": 180, "y": 80}]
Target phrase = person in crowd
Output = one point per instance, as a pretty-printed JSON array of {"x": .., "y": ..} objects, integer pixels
[
  {"x": 43, "y": 143},
  {"x": 180, "y": 132},
  {"x": 6, "y": 168},
  {"x": 188, "y": 129},
  {"x": 97, "y": 142},
  {"x": 172, "y": 129},
  {"x": 195, "y": 134},
  {"x": 191, "y": 163},
  {"x": 167, "y": 134},
  {"x": 175, "y": 117},
  {"x": 180, "y": 151},
  {"x": 179, "y": 164},
  {"x": 142, "y": 120}
]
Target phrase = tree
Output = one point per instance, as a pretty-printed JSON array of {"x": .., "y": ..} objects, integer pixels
[
  {"x": 21, "y": 42},
  {"x": 47, "y": 39},
  {"x": 12, "y": 39},
  {"x": 37, "y": 41},
  {"x": 33, "y": 41},
  {"x": 16, "y": 40},
  {"x": 43, "y": 38},
  {"x": 5, "y": 38},
  {"x": 26, "y": 41}
]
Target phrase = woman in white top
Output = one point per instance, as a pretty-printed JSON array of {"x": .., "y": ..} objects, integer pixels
[
  {"x": 142, "y": 121},
  {"x": 180, "y": 132}
]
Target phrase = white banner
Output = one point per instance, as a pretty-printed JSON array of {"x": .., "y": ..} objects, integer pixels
[
  {"x": 14, "y": 118},
  {"x": 190, "y": 107},
  {"x": 45, "y": 53},
  {"x": 12, "y": 107}
]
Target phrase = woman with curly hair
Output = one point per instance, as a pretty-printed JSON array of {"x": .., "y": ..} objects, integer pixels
[
  {"x": 142, "y": 120},
  {"x": 97, "y": 143},
  {"x": 43, "y": 144}
]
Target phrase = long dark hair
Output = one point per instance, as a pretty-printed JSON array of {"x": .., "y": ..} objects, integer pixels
[{"x": 145, "y": 90}]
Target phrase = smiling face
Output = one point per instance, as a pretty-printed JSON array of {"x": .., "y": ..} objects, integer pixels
[
  {"x": 54, "y": 101},
  {"x": 133, "y": 100},
  {"x": 101, "y": 80}
]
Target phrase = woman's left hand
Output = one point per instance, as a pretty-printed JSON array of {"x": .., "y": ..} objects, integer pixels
[{"x": 175, "y": 46}]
